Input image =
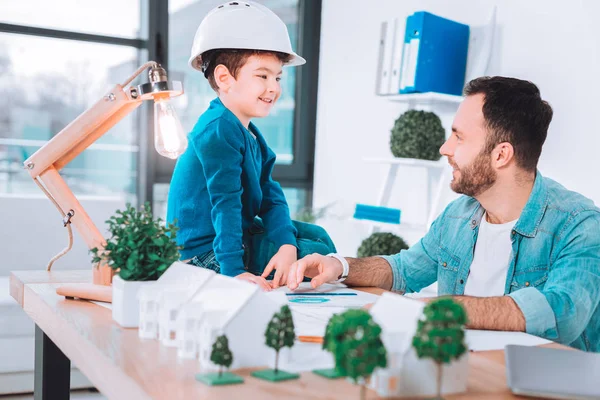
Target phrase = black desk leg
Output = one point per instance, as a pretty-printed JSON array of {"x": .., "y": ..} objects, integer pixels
[{"x": 52, "y": 369}]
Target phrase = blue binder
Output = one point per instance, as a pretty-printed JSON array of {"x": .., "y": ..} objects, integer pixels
[
  {"x": 434, "y": 57},
  {"x": 377, "y": 213}
]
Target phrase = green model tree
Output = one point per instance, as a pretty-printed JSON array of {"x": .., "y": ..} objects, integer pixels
[
  {"x": 329, "y": 345},
  {"x": 440, "y": 336},
  {"x": 355, "y": 341},
  {"x": 221, "y": 355},
  {"x": 279, "y": 334}
]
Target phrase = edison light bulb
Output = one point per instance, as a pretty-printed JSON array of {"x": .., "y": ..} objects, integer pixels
[{"x": 169, "y": 138}]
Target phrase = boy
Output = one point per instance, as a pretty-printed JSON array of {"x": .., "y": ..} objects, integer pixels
[{"x": 233, "y": 218}]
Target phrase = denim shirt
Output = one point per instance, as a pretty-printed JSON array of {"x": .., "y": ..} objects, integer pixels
[{"x": 554, "y": 269}]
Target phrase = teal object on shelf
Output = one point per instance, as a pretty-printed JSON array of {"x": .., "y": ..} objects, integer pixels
[{"x": 377, "y": 213}]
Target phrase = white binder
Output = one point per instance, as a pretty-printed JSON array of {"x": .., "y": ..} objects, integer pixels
[
  {"x": 396, "y": 66},
  {"x": 386, "y": 47}
]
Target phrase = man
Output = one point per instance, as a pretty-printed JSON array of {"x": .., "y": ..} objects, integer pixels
[{"x": 518, "y": 250}]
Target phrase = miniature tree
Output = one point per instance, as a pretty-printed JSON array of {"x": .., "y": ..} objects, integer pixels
[
  {"x": 355, "y": 340},
  {"x": 440, "y": 336},
  {"x": 221, "y": 355},
  {"x": 329, "y": 345},
  {"x": 279, "y": 334}
]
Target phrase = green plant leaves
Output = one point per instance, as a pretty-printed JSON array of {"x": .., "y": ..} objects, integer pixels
[
  {"x": 354, "y": 339},
  {"x": 381, "y": 244},
  {"x": 140, "y": 247},
  {"x": 440, "y": 335},
  {"x": 417, "y": 134}
]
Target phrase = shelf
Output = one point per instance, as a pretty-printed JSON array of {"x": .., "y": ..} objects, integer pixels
[
  {"x": 412, "y": 162},
  {"x": 429, "y": 98}
]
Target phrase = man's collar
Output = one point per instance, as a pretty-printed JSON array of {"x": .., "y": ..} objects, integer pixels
[
  {"x": 532, "y": 214},
  {"x": 534, "y": 210}
]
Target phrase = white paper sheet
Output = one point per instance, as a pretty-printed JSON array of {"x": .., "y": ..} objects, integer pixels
[
  {"x": 311, "y": 321},
  {"x": 332, "y": 296},
  {"x": 497, "y": 340}
]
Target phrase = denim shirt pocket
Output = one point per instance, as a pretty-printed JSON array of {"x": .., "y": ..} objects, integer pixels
[
  {"x": 448, "y": 265},
  {"x": 530, "y": 277}
]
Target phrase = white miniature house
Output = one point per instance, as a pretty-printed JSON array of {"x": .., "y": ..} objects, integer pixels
[
  {"x": 148, "y": 325},
  {"x": 406, "y": 375},
  {"x": 237, "y": 309},
  {"x": 158, "y": 300}
]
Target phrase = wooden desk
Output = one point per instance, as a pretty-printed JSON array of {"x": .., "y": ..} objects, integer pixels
[{"x": 123, "y": 366}]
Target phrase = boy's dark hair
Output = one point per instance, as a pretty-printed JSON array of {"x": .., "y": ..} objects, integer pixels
[
  {"x": 514, "y": 112},
  {"x": 233, "y": 59}
]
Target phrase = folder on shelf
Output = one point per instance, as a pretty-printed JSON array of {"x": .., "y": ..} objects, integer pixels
[
  {"x": 384, "y": 63},
  {"x": 398, "y": 46},
  {"x": 377, "y": 213},
  {"x": 434, "y": 55}
]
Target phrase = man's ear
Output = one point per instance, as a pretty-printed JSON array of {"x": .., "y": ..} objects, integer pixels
[
  {"x": 223, "y": 78},
  {"x": 503, "y": 154}
]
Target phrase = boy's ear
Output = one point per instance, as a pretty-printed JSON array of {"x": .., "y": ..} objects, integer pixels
[{"x": 223, "y": 78}]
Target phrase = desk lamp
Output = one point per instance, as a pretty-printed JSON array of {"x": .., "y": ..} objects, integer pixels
[{"x": 44, "y": 165}]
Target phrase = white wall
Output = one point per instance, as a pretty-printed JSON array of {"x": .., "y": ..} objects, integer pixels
[
  {"x": 553, "y": 43},
  {"x": 33, "y": 233}
]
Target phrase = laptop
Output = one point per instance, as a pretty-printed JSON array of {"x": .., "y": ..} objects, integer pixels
[{"x": 552, "y": 373}]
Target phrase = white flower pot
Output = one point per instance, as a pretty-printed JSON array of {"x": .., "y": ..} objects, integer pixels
[{"x": 125, "y": 302}]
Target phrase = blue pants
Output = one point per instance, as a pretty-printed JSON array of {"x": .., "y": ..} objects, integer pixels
[{"x": 258, "y": 249}]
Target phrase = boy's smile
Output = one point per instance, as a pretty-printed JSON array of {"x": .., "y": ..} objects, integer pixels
[{"x": 256, "y": 89}]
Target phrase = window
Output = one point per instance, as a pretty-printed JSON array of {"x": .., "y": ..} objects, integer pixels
[
  {"x": 109, "y": 17},
  {"x": 38, "y": 99},
  {"x": 57, "y": 58},
  {"x": 49, "y": 77}
]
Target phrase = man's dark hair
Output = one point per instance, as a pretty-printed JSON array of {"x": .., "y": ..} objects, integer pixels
[
  {"x": 234, "y": 60},
  {"x": 514, "y": 112}
]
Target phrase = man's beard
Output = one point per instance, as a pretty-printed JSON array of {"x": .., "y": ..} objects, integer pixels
[{"x": 476, "y": 177}]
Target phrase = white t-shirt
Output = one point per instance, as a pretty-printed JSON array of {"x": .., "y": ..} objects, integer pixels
[{"x": 487, "y": 276}]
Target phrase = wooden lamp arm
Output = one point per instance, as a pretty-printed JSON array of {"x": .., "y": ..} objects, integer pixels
[{"x": 44, "y": 164}]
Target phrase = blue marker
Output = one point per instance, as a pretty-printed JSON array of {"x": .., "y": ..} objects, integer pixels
[{"x": 320, "y": 294}]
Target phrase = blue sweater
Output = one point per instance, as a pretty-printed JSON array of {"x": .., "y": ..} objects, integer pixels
[{"x": 220, "y": 184}]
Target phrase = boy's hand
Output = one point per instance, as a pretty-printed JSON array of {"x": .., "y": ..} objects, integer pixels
[
  {"x": 281, "y": 262},
  {"x": 257, "y": 280}
]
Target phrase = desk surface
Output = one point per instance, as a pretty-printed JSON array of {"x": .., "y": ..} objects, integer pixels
[{"x": 123, "y": 366}]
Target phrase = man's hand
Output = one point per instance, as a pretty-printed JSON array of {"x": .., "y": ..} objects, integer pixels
[
  {"x": 281, "y": 262},
  {"x": 257, "y": 280},
  {"x": 321, "y": 269}
]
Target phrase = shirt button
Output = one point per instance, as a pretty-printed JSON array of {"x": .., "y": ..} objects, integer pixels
[
  {"x": 526, "y": 283},
  {"x": 473, "y": 223},
  {"x": 444, "y": 265},
  {"x": 461, "y": 281},
  {"x": 513, "y": 232}
]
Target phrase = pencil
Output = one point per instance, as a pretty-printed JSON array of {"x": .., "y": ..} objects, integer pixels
[{"x": 310, "y": 339}]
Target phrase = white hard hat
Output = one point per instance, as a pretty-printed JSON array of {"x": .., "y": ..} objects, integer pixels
[{"x": 242, "y": 25}]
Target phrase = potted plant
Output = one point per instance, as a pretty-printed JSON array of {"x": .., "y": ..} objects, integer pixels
[
  {"x": 139, "y": 249},
  {"x": 417, "y": 134},
  {"x": 440, "y": 335},
  {"x": 381, "y": 244}
]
